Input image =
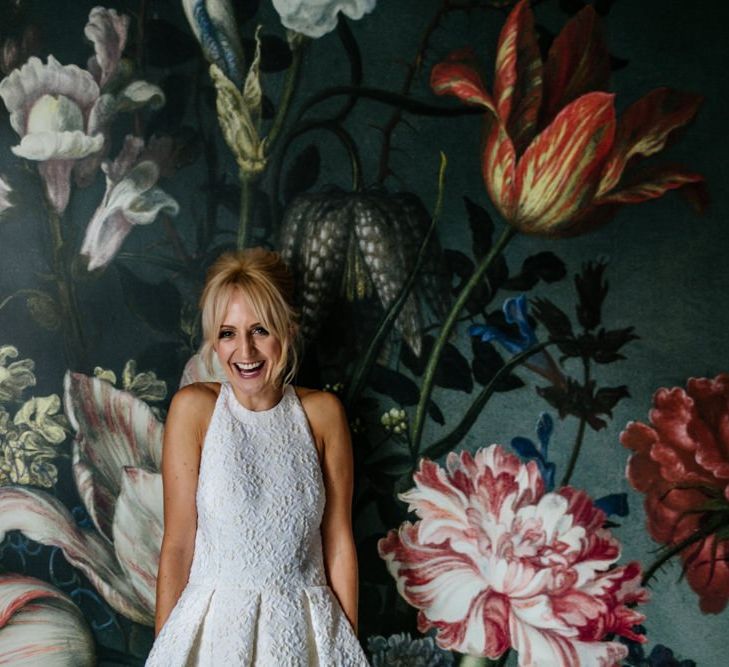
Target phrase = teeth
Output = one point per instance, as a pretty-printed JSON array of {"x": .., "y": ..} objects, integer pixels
[{"x": 249, "y": 367}]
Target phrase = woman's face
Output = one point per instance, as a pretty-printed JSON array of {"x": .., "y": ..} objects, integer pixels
[{"x": 249, "y": 354}]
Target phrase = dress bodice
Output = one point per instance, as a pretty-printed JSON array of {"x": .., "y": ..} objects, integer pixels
[{"x": 260, "y": 497}]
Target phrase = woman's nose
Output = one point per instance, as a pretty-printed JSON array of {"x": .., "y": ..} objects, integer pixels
[{"x": 248, "y": 347}]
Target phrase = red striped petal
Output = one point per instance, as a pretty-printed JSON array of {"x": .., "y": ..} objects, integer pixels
[
  {"x": 652, "y": 185},
  {"x": 458, "y": 75},
  {"x": 498, "y": 165},
  {"x": 645, "y": 127},
  {"x": 518, "y": 83},
  {"x": 558, "y": 174},
  {"x": 578, "y": 63}
]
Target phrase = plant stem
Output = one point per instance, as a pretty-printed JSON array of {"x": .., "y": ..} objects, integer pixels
[
  {"x": 575, "y": 452},
  {"x": 412, "y": 70},
  {"x": 474, "y": 661},
  {"x": 289, "y": 87},
  {"x": 74, "y": 345},
  {"x": 440, "y": 342},
  {"x": 447, "y": 443},
  {"x": 670, "y": 553},
  {"x": 367, "y": 360},
  {"x": 577, "y": 447},
  {"x": 246, "y": 205}
]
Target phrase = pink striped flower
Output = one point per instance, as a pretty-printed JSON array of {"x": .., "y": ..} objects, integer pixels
[
  {"x": 40, "y": 625},
  {"x": 496, "y": 563},
  {"x": 555, "y": 159},
  {"x": 116, "y": 460}
]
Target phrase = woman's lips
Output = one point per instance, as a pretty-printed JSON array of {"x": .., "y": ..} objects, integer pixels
[{"x": 249, "y": 373}]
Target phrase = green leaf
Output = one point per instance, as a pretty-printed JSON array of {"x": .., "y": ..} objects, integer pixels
[{"x": 397, "y": 386}]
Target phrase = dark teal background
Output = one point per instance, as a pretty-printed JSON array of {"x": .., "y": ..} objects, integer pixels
[{"x": 667, "y": 267}]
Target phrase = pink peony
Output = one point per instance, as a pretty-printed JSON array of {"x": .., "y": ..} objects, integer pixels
[
  {"x": 681, "y": 463},
  {"x": 496, "y": 563}
]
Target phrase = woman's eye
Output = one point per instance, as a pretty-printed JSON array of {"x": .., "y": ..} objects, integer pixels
[
  {"x": 225, "y": 334},
  {"x": 260, "y": 331}
]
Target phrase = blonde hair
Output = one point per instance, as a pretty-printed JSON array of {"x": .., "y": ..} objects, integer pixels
[{"x": 264, "y": 278}]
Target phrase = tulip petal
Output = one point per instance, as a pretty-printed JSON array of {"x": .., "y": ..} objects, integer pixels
[
  {"x": 518, "y": 80},
  {"x": 652, "y": 185},
  {"x": 44, "y": 519},
  {"x": 114, "y": 429},
  {"x": 138, "y": 530},
  {"x": 578, "y": 63},
  {"x": 558, "y": 174},
  {"x": 645, "y": 128},
  {"x": 458, "y": 75},
  {"x": 41, "y": 626},
  {"x": 498, "y": 165}
]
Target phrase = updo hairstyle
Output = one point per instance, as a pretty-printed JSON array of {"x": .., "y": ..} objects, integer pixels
[{"x": 264, "y": 278}]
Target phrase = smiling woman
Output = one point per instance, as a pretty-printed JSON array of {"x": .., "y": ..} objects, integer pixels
[
  {"x": 258, "y": 560},
  {"x": 248, "y": 317}
]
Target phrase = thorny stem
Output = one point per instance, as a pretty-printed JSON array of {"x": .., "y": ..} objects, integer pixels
[
  {"x": 576, "y": 448},
  {"x": 440, "y": 342},
  {"x": 670, "y": 553},
  {"x": 368, "y": 359}
]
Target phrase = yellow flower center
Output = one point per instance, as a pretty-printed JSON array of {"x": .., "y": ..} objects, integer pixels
[{"x": 53, "y": 113}]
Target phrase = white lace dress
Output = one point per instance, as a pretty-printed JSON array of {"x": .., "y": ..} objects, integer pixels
[{"x": 257, "y": 594}]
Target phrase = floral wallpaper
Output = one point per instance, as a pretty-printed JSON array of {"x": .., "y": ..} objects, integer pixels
[{"x": 506, "y": 227}]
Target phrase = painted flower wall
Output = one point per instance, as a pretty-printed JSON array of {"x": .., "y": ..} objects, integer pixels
[{"x": 507, "y": 227}]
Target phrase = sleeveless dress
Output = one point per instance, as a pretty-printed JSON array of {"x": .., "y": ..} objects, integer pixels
[{"x": 257, "y": 593}]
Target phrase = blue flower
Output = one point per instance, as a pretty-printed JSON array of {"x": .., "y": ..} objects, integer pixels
[
  {"x": 515, "y": 312},
  {"x": 528, "y": 450},
  {"x": 402, "y": 650}
]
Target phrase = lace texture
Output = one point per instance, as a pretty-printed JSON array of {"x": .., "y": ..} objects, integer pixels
[{"x": 257, "y": 593}]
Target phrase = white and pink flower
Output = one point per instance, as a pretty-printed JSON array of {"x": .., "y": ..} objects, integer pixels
[
  {"x": 116, "y": 466},
  {"x": 131, "y": 198},
  {"x": 41, "y": 626},
  {"x": 496, "y": 563},
  {"x": 50, "y": 106},
  {"x": 63, "y": 113}
]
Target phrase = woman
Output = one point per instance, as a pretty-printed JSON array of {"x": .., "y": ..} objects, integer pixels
[{"x": 258, "y": 565}]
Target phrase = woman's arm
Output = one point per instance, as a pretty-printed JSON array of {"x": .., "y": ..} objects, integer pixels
[
  {"x": 340, "y": 555},
  {"x": 181, "y": 449}
]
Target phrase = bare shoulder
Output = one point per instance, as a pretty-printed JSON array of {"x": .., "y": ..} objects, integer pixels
[
  {"x": 195, "y": 402},
  {"x": 320, "y": 405}
]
